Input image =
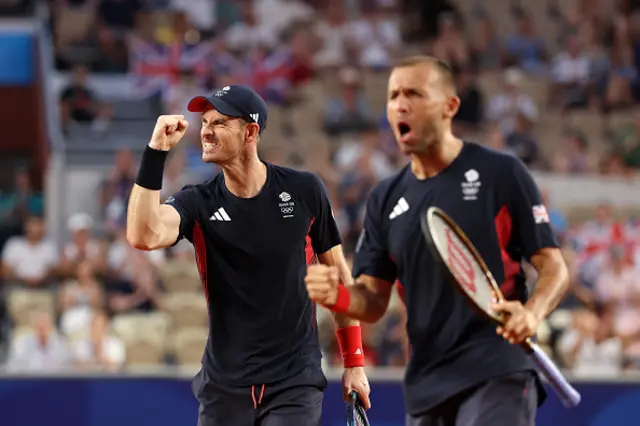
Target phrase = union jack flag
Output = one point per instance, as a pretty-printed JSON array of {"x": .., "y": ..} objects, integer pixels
[
  {"x": 540, "y": 214},
  {"x": 156, "y": 67}
]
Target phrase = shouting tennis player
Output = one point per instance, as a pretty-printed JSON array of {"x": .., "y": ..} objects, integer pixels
[
  {"x": 255, "y": 226},
  {"x": 462, "y": 373}
]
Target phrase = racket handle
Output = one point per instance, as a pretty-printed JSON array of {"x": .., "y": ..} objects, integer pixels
[{"x": 567, "y": 393}]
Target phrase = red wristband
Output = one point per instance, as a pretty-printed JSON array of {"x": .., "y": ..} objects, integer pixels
[
  {"x": 343, "y": 300},
  {"x": 350, "y": 342}
]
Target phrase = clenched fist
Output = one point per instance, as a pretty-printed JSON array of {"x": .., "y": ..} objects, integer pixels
[
  {"x": 168, "y": 132},
  {"x": 322, "y": 284}
]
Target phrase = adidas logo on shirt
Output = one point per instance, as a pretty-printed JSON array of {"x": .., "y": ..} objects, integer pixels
[
  {"x": 401, "y": 207},
  {"x": 220, "y": 215},
  {"x": 358, "y": 352}
]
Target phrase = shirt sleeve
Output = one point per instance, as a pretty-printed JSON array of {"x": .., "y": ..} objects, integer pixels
[
  {"x": 185, "y": 202},
  {"x": 372, "y": 257},
  {"x": 531, "y": 227},
  {"x": 324, "y": 231}
]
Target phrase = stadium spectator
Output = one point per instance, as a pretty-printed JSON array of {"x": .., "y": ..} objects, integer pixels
[
  {"x": 486, "y": 45},
  {"x": 100, "y": 350},
  {"x": 450, "y": 45},
  {"x": 526, "y": 48},
  {"x": 505, "y": 106},
  {"x": 349, "y": 111},
  {"x": 571, "y": 77},
  {"x": 376, "y": 35},
  {"x": 39, "y": 350},
  {"x": 590, "y": 347},
  {"x": 116, "y": 189},
  {"x": 333, "y": 33},
  {"x": 133, "y": 284},
  {"x": 82, "y": 246},
  {"x": 470, "y": 116},
  {"x": 78, "y": 299},
  {"x": 523, "y": 143},
  {"x": 248, "y": 33},
  {"x": 16, "y": 206},
  {"x": 574, "y": 156},
  {"x": 79, "y": 104},
  {"x": 364, "y": 145},
  {"x": 31, "y": 260}
]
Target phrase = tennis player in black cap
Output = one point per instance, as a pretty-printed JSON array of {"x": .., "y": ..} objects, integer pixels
[{"x": 254, "y": 227}]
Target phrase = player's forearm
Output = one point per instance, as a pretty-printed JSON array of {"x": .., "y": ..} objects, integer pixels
[
  {"x": 365, "y": 305},
  {"x": 144, "y": 224},
  {"x": 550, "y": 288}
]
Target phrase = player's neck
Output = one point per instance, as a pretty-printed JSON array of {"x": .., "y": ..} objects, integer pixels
[
  {"x": 437, "y": 158},
  {"x": 245, "y": 178}
]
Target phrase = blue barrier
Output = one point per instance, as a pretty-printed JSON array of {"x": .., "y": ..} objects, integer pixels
[
  {"x": 17, "y": 56},
  {"x": 162, "y": 401}
]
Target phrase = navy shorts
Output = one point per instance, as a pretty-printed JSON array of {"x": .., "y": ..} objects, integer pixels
[
  {"x": 506, "y": 401},
  {"x": 291, "y": 402}
]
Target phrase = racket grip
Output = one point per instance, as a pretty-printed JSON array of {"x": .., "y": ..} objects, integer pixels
[{"x": 568, "y": 395}]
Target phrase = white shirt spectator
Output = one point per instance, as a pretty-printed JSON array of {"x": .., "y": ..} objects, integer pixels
[
  {"x": 275, "y": 15},
  {"x": 113, "y": 351},
  {"x": 504, "y": 107},
  {"x": 334, "y": 38},
  {"x": 29, "y": 261},
  {"x": 567, "y": 69},
  {"x": 27, "y": 353},
  {"x": 242, "y": 36},
  {"x": 375, "y": 40},
  {"x": 350, "y": 152},
  {"x": 618, "y": 289},
  {"x": 602, "y": 359},
  {"x": 201, "y": 13},
  {"x": 122, "y": 256}
]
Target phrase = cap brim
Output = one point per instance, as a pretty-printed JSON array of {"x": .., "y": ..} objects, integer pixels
[{"x": 204, "y": 103}]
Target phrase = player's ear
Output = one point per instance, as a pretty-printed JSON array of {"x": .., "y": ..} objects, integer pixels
[
  {"x": 251, "y": 132},
  {"x": 451, "y": 106}
]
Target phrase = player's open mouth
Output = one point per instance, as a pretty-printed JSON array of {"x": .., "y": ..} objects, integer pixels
[
  {"x": 210, "y": 144},
  {"x": 404, "y": 129}
]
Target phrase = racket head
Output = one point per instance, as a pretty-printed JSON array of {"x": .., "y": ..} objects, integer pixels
[
  {"x": 466, "y": 268},
  {"x": 355, "y": 413}
]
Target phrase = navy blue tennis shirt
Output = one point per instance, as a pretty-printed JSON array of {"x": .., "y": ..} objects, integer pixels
[
  {"x": 494, "y": 199},
  {"x": 252, "y": 254}
]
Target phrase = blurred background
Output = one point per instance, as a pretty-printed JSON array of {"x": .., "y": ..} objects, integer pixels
[{"x": 555, "y": 83}]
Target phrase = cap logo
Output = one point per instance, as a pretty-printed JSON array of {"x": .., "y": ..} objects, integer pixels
[
  {"x": 222, "y": 92},
  {"x": 255, "y": 117}
]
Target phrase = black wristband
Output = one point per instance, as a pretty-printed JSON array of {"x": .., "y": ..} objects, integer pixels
[{"x": 151, "y": 169}]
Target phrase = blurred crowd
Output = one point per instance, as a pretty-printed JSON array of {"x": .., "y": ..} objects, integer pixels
[{"x": 563, "y": 98}]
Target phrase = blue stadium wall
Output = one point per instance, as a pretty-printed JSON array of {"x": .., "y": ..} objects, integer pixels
[{"x": 169, "y": 402}]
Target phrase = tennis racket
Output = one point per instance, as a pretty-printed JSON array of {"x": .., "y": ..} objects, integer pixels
[
  {"x": 474, "y": 279},
  {"x": 356, "y": 415}
]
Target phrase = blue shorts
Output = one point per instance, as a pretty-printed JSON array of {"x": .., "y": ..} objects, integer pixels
[
  {"x": 291, "y": 402},
  {"x": 506, "y": 401}
]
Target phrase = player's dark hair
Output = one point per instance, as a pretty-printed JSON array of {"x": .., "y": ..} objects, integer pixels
[{"x": 446, "y": 72}]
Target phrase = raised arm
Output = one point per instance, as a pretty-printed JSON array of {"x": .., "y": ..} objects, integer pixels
[
  {"x": 368, "y": 297},
  {"x": 151, "y": 225}
]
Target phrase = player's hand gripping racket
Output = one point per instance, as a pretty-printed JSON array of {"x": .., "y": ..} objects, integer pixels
[
  {"x": 476, "y": 282},
  {"x": 356, "y": 415}
]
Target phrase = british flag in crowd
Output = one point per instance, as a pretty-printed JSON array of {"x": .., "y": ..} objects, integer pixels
[{"x": 157, "y": 67}]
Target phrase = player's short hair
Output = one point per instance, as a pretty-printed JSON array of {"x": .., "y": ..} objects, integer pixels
[{"x": 446, "y": 71}]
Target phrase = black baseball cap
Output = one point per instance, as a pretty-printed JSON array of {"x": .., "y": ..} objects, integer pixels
[{"x": 236, "y": 100}]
